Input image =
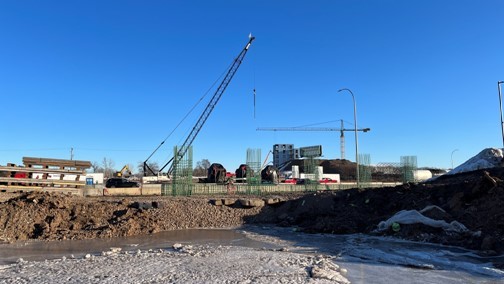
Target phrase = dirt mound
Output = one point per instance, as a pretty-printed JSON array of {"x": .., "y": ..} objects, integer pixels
[
  {"x": 56, "y": 216},
  {"x": 474, "y": 199}
]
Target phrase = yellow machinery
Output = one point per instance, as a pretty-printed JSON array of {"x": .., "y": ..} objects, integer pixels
[{"x": 124, "y": 172}]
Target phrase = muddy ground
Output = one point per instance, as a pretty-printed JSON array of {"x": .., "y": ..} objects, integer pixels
[{"x": 475, "y": 199}]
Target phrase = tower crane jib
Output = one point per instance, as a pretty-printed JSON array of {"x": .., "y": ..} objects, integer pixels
[{"x": 342, "y": 130}]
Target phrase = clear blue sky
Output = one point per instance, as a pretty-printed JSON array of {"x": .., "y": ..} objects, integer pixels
[{"x": 113, "y": 78}]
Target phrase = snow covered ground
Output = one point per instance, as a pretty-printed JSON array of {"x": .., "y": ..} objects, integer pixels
[
  {"x": 181, "y": 264},
  {"x": 291, "y": 257}
]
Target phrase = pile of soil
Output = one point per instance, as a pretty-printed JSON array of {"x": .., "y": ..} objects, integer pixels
[
  {"x": 50, "y": 216},
  {"x": 475, "y": 199}
]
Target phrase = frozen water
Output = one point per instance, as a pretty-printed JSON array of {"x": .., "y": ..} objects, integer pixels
[{"x": 252, "y": 254}]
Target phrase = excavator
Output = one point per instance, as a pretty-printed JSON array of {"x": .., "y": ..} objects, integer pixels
[
  {"x": 124, "y": 172},
  {"x": 182, "y": 150}
]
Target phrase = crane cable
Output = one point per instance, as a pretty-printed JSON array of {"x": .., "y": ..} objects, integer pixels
[
  {"x": 319, "y": 123},
  {"x": 191, "y": 110},
  {"x": 197, "y": 103},
  {"x": 254, "y": 89}
]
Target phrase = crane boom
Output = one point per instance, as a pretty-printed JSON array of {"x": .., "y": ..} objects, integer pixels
[
  {"x": 209, "y": 108},
  {"x": 309, "y": 129}
]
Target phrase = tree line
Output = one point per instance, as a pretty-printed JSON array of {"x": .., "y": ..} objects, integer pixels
[{"x": 108, "y": 168}]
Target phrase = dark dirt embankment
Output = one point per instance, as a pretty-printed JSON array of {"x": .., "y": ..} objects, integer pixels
[{"x": 475, "y": 199}]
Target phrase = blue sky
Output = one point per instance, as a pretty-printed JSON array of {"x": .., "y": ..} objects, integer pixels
[{"x": 113, "y": 78}]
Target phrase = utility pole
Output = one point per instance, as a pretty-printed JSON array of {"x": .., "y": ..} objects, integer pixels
[{"x": 71, "y": 153}]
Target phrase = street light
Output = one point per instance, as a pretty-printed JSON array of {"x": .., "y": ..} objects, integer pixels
[
  {"x": 452, "y": 157},
  {"x": 500, "y": 104},
  {"x": 356, "y": 139}
]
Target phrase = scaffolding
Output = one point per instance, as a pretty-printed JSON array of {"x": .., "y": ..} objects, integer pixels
[
  {"x": 365, "y": 168},
  {"x": 310, "y": 167},
  {"x": 253, "y": 171},
  {"x": 254, "y": 164},
  {"x": 388, "y": 168},
  {"x": 181, "y": 174},
  {"x": 312, "y": 173},
  {"x": 408, "y": 165}
]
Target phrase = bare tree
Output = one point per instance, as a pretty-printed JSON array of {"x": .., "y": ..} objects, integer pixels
[
  {"x": 108, "y": 167},
  {"x": 201, "y": 167},
  {"x": 153, "y": 165},
  {"x": 95, "y": 166}
]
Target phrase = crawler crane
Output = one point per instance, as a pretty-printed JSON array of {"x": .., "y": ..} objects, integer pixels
[{"x": 182, "y": 150}]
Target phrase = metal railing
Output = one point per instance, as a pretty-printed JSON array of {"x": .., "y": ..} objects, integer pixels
[{"x": 261, "y": 189}]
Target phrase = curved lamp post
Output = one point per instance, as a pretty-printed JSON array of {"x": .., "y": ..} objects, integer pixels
[
  {"x": 452, "y": 157},
  {"x": 356, "y": 139},
  {"x": 500, "y": 104}
]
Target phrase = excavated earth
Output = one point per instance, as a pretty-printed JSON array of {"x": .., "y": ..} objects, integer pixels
[{"x": 475, "y": 199}]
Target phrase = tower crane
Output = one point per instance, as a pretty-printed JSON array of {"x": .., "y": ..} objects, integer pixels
[
  {"x": 182, "y": 150},
  {"x": 342, "y": 130}
]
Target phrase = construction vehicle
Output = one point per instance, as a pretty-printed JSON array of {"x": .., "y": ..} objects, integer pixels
[
  {"x": 182, "y": 150},
  {"x": 124, "y": 172}
]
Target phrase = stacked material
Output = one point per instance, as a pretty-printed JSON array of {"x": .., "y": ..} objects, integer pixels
[{"x": 43, "y": 174}]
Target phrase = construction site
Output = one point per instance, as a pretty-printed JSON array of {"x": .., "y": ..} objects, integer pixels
[
  {"x": 58, "y": 199},
  {"x": 292, "y": 169}
]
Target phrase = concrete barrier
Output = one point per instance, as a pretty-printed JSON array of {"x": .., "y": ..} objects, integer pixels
[
  {"x": 96, "y": 190},
  {"x": 121, "y": 191},
  {"x": 151, "y": 189}
]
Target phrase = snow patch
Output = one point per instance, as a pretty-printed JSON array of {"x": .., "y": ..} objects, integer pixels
[
  {"x": 488, "y": 158},
  {"x": 414, "y": 217}
]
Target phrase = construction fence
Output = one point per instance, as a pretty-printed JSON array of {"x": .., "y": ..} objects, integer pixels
[{"x": 257, "y": 189}]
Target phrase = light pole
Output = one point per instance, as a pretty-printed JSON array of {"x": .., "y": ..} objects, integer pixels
[
  {"x": 356, "y": 139},
  {"x": 452, "y": 157},
  {"x": 500, "y": 104}
]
